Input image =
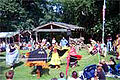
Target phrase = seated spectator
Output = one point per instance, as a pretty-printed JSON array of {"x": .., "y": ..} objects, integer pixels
[
  {"x": 74, "y": 76},
  {"x": 112, "y": 64},
  {"x": 104, "y": 66},
  {"x": 54, "y": 79},
  {"x": 61, "y": 76},
  {"x": 9, "y": 75},
  {"x": 99, "y": 74}
]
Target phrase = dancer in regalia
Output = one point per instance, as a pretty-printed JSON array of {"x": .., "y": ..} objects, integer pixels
[
  {"x": 55, "y": 59},
  {"x": 73, "y": 56},
  {"x": 12, "y": 55}
]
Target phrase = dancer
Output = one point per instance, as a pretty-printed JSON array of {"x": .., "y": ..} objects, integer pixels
[
  {"x": 55, "y": 60},
  {"x": 12, "y": 55}
]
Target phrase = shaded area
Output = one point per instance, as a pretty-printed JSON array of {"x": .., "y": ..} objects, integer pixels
[{"x": 18, "y": 64}]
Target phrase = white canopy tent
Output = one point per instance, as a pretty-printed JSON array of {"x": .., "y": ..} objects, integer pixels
[{"x": 7, "y": 34}]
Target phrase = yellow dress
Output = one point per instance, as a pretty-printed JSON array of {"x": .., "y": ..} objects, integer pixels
[{"x": 55, "y": 60}]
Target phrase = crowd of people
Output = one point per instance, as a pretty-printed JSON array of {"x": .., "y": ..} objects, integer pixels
[
  {"x": 104, "y": 49},
  {"x": 66, "y": 50}
]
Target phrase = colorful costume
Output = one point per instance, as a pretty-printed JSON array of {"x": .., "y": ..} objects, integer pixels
[
  {"x": 37, "y": 59},
  {"x": 12, "y": 56},
  {"x": 55, "y": 60},
  {"x": 73, "y": 57}
]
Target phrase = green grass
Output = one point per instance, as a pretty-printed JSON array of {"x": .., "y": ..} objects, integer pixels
[{"x": 22, "y": 72}]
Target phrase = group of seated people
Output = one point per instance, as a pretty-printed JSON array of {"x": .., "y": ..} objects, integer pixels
[
  {"x": 98, "y": 75},
  {"x": 110, "y": 67}
]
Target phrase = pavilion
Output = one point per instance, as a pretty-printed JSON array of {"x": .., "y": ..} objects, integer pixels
[{"x": 58, "y": 27}]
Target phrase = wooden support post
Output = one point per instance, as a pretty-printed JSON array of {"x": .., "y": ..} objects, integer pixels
[{"x": 36, "y": 36}]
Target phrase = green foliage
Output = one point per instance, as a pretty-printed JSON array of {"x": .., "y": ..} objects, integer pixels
[
  {"x": 25, "y": 14},
  {"x": 88, "y": 14}
]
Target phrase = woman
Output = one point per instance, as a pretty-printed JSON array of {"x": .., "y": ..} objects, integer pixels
[
  {"x": 55, "y": 60},
  {"x": 99, "y": 74},
  {"x": 12, "y": 55},
  {"x": 73, "y": 56}
]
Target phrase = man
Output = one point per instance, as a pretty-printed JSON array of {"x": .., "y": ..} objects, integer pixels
[{"x": 63, "y": 42}]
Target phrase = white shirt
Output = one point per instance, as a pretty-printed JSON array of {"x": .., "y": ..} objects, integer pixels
[{"x": 53, "y": 41}]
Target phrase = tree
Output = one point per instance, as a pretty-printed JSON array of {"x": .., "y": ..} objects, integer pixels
[
  {"x": 25, "y": 14},
  {"x": 88, "y": 14}
]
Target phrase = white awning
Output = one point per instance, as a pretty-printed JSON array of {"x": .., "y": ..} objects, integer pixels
[{"x": 7, "y": 34}]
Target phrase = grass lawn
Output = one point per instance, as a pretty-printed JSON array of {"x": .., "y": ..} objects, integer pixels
[{"x": 22, "y": 72}]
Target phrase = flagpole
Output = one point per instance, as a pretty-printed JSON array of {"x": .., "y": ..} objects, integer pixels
[{"x": 103, "y": 25}]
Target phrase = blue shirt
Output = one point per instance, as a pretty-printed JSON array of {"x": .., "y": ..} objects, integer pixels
[{"x": 63, "y": 42}]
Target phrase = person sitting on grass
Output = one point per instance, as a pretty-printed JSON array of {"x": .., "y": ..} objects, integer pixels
[
  {"x": 61, "y": 76},
  {"x": 9, "y": 75},
  {"x": 99, "y": 74},
  {"x": 111, "y": 64},
  {"x": 74, "y": 76},
  {"x": 104, "y": 66}
]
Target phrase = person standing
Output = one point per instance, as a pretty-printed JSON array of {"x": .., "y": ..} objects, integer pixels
[
  {"x": 53, "y": 41},
  {"x": 63, "y": 42},
  {"x": 109, "y": 43}
]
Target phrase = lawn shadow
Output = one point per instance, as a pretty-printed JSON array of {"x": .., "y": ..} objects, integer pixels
[
  {"x": 2, "y": 69},
  {"x": 2, "y": 55},
  {"x": 2, "y": 60},
  {"x": 45, "y": 71},
  {"x": 19, "y": 64},
  {"x": 62, "y": 63}
]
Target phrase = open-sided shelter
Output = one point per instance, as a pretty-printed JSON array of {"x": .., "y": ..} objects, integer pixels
[{"x": 55, "y": 27}]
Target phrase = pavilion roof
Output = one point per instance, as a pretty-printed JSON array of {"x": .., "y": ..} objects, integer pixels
[{"x": 57, "y": 27}]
